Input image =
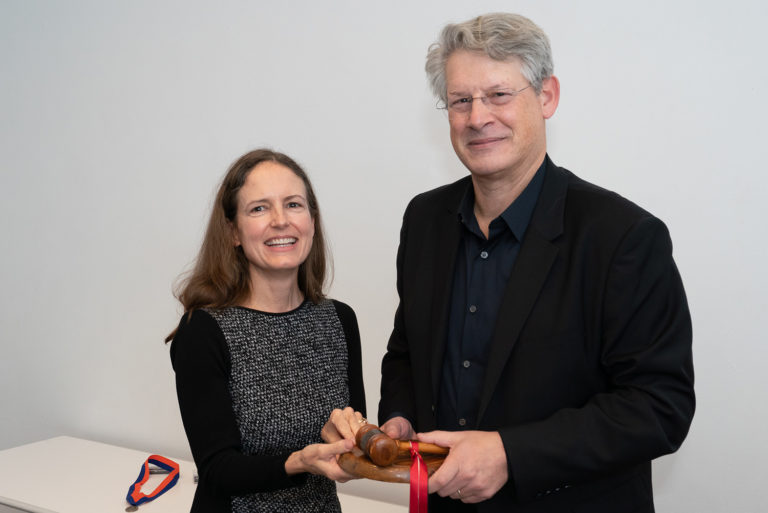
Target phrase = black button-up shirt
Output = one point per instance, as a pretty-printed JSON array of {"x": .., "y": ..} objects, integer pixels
[{"x": 481, "y": 273}]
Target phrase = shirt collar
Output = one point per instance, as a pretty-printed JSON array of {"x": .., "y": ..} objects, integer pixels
[{"x": 516, "y": 216}]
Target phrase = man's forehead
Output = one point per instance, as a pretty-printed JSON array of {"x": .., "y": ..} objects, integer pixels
[{"x": 472, "y": 70}]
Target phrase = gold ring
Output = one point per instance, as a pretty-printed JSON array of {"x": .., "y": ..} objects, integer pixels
[{"x": 362, "y": 421}]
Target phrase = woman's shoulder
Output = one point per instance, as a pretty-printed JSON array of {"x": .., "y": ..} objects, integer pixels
[
  {"x": 341, "y": 306},
  {"x": 343, "y": 310},
  {"x": 195, "y": 323},
  {"x": 348, "y": 320},
  {"x": 198, "y": 336}
]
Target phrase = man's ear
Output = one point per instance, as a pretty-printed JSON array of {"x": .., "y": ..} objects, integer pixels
[{"x": 549, "y": 96}]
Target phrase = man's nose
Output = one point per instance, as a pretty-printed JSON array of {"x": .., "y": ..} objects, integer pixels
[{"x": 479, "y": 114}]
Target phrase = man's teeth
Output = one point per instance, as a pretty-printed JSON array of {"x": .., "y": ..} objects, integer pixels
[{"x": 281, "y": 242}]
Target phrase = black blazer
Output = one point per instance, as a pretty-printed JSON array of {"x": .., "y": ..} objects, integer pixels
[{"x": 590, "y": 372}]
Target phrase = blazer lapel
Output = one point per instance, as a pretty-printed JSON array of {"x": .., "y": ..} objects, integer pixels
[{"x": 532, "y": 266}]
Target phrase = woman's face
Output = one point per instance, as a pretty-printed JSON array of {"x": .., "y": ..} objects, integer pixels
[{"x": 273, "y": 224}]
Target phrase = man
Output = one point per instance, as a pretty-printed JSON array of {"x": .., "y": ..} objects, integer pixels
[{"x": 543, "y": 332}]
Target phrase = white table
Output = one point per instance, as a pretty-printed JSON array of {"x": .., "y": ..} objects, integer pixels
[{"x": 70, "y": 475}]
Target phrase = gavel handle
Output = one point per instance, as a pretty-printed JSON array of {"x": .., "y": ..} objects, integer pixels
[{"x": 424, "y": 448}]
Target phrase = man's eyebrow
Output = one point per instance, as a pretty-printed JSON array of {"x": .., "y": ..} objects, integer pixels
[{"x": 493, "y": 87}]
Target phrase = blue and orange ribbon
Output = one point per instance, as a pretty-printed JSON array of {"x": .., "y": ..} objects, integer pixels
[{"x": 135, "y": 496}]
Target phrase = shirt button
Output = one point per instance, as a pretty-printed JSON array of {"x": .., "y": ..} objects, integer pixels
[
  {"x": 466, "y": 364},
  {"x": 484, "y": 255},
  {"x": 472, "y": 309},
  {"x": 462, "y": 422}
]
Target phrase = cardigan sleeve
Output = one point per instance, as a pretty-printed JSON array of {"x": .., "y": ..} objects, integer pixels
[
  {"x": 200, "y": 358},
  {"x": 354, "y": 356}
]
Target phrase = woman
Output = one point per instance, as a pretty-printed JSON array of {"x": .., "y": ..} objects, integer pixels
[{"x": 261, "y": 357}]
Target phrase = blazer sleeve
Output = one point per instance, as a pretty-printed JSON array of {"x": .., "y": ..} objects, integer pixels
[
  {"x": 397, "y": 398},
  {"x": 201, "y": 361},
  {"x": 645, "y": 353}
]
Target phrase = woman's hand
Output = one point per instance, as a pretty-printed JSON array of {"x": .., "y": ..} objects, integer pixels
[
  {"x": 320, "y": 459},
  {"x": 342, "y": 425}
]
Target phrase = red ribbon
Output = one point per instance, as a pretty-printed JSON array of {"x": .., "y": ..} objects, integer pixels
[{"x": 419, "y": 478}]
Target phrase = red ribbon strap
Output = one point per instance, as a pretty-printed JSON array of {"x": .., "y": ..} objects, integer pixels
[{"x": 419, "y": 478}]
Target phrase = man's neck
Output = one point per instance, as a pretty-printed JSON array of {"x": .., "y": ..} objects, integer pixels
[{"x": 493, "y": 194}]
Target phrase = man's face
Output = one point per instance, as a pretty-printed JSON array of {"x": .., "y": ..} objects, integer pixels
[{"x": 497, "y": 141}]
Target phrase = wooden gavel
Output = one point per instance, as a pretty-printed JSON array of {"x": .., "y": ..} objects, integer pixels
[{"x": 383, "y": 450}]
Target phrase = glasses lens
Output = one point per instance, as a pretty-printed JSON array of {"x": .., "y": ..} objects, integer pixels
[
  {"x": 499, "y": 98},
  {"x": 461, "y": 106}
]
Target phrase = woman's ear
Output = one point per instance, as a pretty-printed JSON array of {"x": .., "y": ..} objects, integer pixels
[{"x": 233, "y": 230}]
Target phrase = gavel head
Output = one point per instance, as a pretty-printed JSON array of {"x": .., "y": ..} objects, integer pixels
[{"x": 380, "y": 448}]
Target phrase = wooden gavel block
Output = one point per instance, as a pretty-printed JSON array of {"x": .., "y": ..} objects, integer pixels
[
  {"x": 379, "y": 457},
  {"x": 383, "y": 450}
]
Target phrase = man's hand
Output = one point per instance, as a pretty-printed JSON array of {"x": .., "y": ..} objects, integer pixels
[
  {"x": 398, "y": 428},
  {"x": 475, "y": 468}
]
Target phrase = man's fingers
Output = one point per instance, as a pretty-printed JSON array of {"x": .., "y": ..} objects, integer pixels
[
  {"x": 441, "y": 438},
  {"x": 442, "y": 478},
  {"x": 398, "y": 428}
]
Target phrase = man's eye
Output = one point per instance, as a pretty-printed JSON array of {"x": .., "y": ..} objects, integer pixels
[{"x": 499, "y": 94}]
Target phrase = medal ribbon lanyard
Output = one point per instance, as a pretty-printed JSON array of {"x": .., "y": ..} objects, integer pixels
[
  {"x": 419, "y": 478},
  {"x": 135, "y": 496}
]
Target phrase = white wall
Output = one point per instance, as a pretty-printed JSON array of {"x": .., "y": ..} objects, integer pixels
[{"x": 117, "y": 119}]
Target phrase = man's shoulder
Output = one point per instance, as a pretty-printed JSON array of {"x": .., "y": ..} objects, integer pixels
[
  {"x": 446, "y": 196},
  {"x": 586, "y": 198}
]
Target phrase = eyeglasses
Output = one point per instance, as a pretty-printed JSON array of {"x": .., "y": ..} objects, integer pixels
[{"x": 498, "y": 98}]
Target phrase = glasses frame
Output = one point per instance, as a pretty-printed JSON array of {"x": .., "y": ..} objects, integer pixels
[{"x": 485, "y": 99}]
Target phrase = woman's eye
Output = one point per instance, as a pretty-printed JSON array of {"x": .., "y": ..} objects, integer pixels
[
  {"x": 295, "y": 204},
  {"x": 256, "y": 209}
]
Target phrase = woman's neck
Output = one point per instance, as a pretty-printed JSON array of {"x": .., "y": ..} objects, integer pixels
[{"x": 274, "y": 294}]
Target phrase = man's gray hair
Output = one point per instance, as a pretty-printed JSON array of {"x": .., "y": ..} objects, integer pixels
[{"x": 500, "y": 36}]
